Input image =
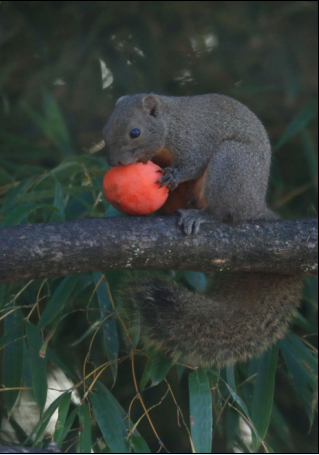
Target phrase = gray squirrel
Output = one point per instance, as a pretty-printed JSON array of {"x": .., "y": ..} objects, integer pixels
[{"x": 215, "y": 156}]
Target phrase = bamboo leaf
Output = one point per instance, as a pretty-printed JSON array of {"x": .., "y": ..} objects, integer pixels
[
  {"x": 243, "y": 406},
  {"x": 230, "y": 371},
  {"x": 26, "y": 369},
  {"x": 40, "y": 427},
  {"x": 21, "y": 212},
  {"x": 264, "y": 393},
  {"x": 146, "y": 374},
  {"x": 15, "y": 194},
  {"x": 5, "y": 178},
  {"x": 161, "y": 364},
  {"x": 58, "y": 203},
  {"x": 109, "y": 419},
  {"x": 302, "y": 354},
  {"x": 58, "y": 301},
  {"x": 127, "y": 422},
  {"x": 84, "y": 280},
  {"x": 139, "y": 444},
  {"x": 300, "y": 120},
  {"x": 201, "y": 413},
  {"x": 12, "y": 361},
  {"x": 51, "y": 123},
  {"x": 110, "y": 336},
  {"x": 38, "y": 365},
  {"x": 302, "y": 369},
  {"x": 85, "y": 443},
  {"x": 2, "y": 294},
  {"x": 68, "y": 369},
  {"x": 63, "y": 412},
  {"x": 55, "y": 125},
  {"x": 68, "y": 424}
]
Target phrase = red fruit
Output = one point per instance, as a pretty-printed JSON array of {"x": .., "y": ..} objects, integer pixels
[{"x": 133, "y": 189}]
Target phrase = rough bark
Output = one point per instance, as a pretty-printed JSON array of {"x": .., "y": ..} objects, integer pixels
[
  {"x": 33, "y": 251},
  {"x": 52, "y": 448}
]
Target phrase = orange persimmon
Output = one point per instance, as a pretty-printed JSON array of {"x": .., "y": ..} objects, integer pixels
[{"x": 133, "y": 189}]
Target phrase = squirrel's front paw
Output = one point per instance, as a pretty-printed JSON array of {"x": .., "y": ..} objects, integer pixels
[{"x": 169, "y": 178}]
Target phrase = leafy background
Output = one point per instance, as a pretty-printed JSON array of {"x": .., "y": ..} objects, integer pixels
[{"x": 62, "y": 67}]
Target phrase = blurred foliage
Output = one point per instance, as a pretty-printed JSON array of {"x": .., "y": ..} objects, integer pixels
[{"x": 62, "y": 67}]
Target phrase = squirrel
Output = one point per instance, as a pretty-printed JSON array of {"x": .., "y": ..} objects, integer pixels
[{"x": 215, "y": 154}]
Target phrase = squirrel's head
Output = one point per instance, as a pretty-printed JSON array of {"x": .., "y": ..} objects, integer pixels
[{"x": 135, "y": 130}]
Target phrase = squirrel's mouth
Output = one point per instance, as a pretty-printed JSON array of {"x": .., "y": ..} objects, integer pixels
[{"x": 143, "y": 160}]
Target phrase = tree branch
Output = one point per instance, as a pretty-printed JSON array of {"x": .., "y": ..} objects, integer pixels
[{"x": 31, "y": 251}]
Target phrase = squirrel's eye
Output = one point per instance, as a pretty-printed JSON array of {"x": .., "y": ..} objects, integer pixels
[{"x": 135, "y": 133}]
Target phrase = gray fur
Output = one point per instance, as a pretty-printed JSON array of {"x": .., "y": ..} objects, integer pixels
[{"x": 220, "y": 142}]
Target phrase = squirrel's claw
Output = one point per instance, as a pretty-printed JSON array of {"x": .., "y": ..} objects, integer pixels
[
  {"x": 166, "y": 170},
  {"x": 168, "y": 179}
]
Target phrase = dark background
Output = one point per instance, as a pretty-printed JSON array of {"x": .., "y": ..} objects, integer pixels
[{"x": 82, "y": 56}]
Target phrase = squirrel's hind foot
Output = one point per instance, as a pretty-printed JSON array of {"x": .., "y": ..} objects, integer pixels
[{"x": 191, "y": 220}]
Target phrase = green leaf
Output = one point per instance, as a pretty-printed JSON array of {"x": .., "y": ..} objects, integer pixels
[
  {"x": 197, "y": 280},
  {"x": 26, "y": 370},
  {"x": 127, "y": 422},
  {"x": 21, "y": 212},
  {"x": 85, "y": 442},
  {"x": 12, "y": 361},
  {"x": 58, "y": 203},
  {"x": 311, "y": 155},
  {"x": 139, "y": 444},
  {"x": 146, "y": 374},
  {"x": 87, "y": 333},
  {"x": 239, "y": 401},
  {"x": 85, "y": 279},
  {"x": 270, "y": 449},
  {"x": 2, "y": 294},
  {"x": 67, "y": 426},
  {"x": 55, "y": 125},
  {"x": 180, "y": 371},
  {"x": 40, "y": 427},
  {"x": 51, "y": 123},
  {"x": 109, "y": 419},
  {"x": 110, "y": 336},
  {"x": 243, "y": 406},
  {"x": 68, "y": 369},
  {"x": 213, "y": 375},
  {"x": 112, "y": 212},
  {"x": 38, "y": 365},
  {"x": 161, "y": 364},
  {"x": 63, "y": 412},
  {"x": 302, "y": 369},
  {"x": 135, "y": 329},
  {"x": 15, "y": 194},
  {"x": 232, "y": 427},
  {"x": 264, "y": 393},
  {"x": 280, "y": 429},
  {"x": 300, "y": 120},
  {"x": 201, "y": 413},
  {"x": 17, "y": 142},
  {"x": 5, "y": 178},
  {"x": 302, "y": 354},
  {"x": 58, "y": 300},
  {"x": 230, "y": 371}
]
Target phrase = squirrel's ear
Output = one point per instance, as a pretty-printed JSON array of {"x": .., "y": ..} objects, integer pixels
[
  {"x": 151, "y": 104},
  {"x": 120, "y": 99}
]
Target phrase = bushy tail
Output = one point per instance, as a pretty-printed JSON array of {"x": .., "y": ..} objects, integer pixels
[{"x": 244, "y": 314}]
